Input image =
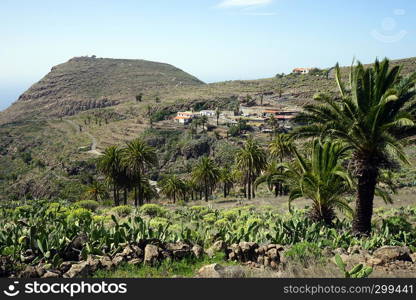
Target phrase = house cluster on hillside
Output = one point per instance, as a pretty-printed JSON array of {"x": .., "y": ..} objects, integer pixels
[
  {"x": 185, "y": 117},
  {"x": 302, "y": 70},
  {"x": 255, "y": 116}
]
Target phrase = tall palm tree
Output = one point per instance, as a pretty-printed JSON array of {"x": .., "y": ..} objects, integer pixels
[
  {"x": 281, "y": 146},
  {"x": 138, "y": 157},
  {"x": 274, "y": 124},
  {"x": 204, "y": 122},
  {"x": 110, "y": 164},
  {"x": 321, "y": 178},
  {"x": 217, "y": 114},
  {"x": 373, "y": 117},
  {"x": 97, "y": 190},
  {"x": 227, "y": 180},
  {"x": 271, "y": 176},
  {"x": 206, "y": 174},
  {"x": 149, "y": 191},
  {"x": 252, "y": 160},
  {"x": 173, "y": 187}
]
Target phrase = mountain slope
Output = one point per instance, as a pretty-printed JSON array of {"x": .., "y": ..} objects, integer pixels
[{"x": 83, "y": 83}]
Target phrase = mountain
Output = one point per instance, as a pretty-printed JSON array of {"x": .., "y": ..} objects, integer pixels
[{"x": 85, "y": 83}]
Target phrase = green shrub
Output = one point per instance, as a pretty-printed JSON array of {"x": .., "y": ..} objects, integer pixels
[
  {"x": 199, "y": 209},
  {"x": 87, "y": 204},
  {"x": 156, "y": 222},
  {"x": 221, "y": 222},
  {"x": 251, "y": 221},
  {"x": 210, "y": 218},
  {"x": 153, "y": 210},
  {"x": 57, "y": 209},
  {"x": 79, "y": 214},
  {"x": 122, "y": 211},
  {"x": 397, "y": 224},
  {"x": 23, "y": 210},
  {"x": 304, "y": 253}
]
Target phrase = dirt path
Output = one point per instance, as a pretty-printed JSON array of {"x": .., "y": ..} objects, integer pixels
[{"x": 93, "y": 139}]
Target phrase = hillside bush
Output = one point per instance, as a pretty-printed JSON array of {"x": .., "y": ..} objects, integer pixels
[
  {"x": 87, "y": 204},
  {"x": 153, "y": 210}
]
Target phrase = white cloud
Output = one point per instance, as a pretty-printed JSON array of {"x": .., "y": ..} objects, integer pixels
[
  {"x": 260, "y": 14},
  {"x": 243, "y": 3}
]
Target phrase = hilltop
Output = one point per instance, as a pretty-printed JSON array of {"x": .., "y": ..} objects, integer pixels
[{"x": 85, "y": 83}]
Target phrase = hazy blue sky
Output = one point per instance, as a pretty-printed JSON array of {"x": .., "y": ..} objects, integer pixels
[{"x": 214, "y": 40}]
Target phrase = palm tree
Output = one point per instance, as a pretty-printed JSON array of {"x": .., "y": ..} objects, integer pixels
[
  {"x": 97, "y": 190},
  {"x": 321, "y": 178},
  {"x": 149, "y": 191},
  {"x": 138, "y": 157},
  {"x": 206, "y": 174},
  {"x": 217, "y": 115},
  {"x": 173, "y": 187},
  {"x": 281, "y": 146},
  {"x": 252, "y": 160},
  {"x": 227, "y": 180},
  {"x": 110, "y": 165},
  {"x": 373, "y": 118},
  {"x": 271, "y": 178},
  {"x": 273, "y": 123},
  {"x": 204, "y": 122}
]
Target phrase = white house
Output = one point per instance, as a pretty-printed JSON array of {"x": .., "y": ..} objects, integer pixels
[{"x": 208, "y": 113}]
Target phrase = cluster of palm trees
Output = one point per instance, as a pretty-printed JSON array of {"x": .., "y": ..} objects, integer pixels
[{"x": 126, "y": 169}]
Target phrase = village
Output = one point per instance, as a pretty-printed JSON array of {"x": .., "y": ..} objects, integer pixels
[{"x": 261, "y": 118}]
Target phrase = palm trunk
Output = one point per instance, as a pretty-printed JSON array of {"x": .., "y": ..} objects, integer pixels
[
  {"x": 125, "y": 196},
  {"x": 364, "y": 203},
  {"x": 249, "y": 186},
  {"x": 115, "y": 195},
  {"x": 225, "y": 190},
  {"x": 135, "y": 197},
  {"x": 206, "y": 191}
]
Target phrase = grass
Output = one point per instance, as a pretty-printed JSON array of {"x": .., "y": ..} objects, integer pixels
[{"x": 185, "y": 268}]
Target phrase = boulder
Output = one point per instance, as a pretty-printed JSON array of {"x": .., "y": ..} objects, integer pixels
[
  {"x": 179, "y": 250},
  {"x": 65, "y": 266},
  {"x": 73, "y": 250},
  {"x": 6, "y": 266},
  {"x": 107, "y": 263},
  {"x": 82, "y": 269},
  {"x": 135, "y": 261},
  {"x": 29, "y": 272},
  {"x": 413, "y": 257},
  {"x": 392, "y": 253},
  {"x": 151, "y": 254},
  {"x": 118, "y": 259},
  {"x": 50, "y": 274},
  {"x": 94, "y": 263},
  {"x": 274, "y": 255},
  {"x": 198, "y": 251},
  {"x": 218, "y": 271}
]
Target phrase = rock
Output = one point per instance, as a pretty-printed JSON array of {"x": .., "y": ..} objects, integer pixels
[
  {"x": 356, "y": 249},
  {"x": 179, "y": 250},
  {"x": 374, "y": 261},
  {"x": 392, "y": 253},
  {"x": 107, "y": 263},
  {"x": 50, "y": 274},
  {"x": 65, "y": 266},
  {"x": 218, "y": 271},
  {"x": 118, "y": 259},
  {"x": 151, "y": 254},
  {"x": 266, "y": 261},
  {"x": 248, "y": 251},
  {"x": 82, "y": 269},
  {"x": 274, "y": 255},
  {"x": 198, "y": 251},
  {"x": 6, "y": 266},
  {"x": 40, "y": 270},
  {"x": 94, "y": 263},
  {"x": 218, "y": 246},
  {"x": 339, "y": 251},
  {"x": 135, "y": 261},
  {"x": 29, "y": 272},
  {"x": 260, "y": 260},
  {"x": 413, "y": 257}
]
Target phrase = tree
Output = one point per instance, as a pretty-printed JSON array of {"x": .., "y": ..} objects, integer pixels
[
  {"x": 251, "y": 158},
  {"x": 138, "y": 157},
  {"x": 374, "y": 118},
  {"x": 111, "y": 166},
  {"x": 173, "y": 187},
  {"x": 97, "y": 190},
  {"x": 321, "y": 178},
  {"x": 139, "y": 97},
  {"x": 204, "y": 122},
  {"x": 281, "y": 146},
  {"x": 149, "y": 191},
  {"x": 271, "y": 176},
  {"x": 206, "y": 174},
  {"x": 274, "y": 124},
  {"x": 227, "y": 180},
  {"x": 217, "y": 115}
]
